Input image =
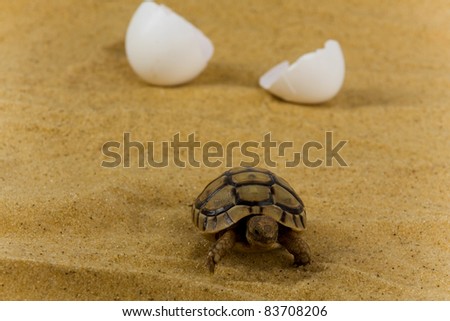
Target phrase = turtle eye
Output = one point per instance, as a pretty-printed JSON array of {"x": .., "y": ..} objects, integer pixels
[{"x": 257, "y": 232}]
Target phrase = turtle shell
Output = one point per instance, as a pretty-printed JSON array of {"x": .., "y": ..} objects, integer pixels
[{"x": 244, "y": 191}]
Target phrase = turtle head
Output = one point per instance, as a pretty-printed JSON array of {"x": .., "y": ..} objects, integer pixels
[{"x": 262, "y": 231}]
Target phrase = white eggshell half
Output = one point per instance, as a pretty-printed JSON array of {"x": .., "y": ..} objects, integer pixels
[
  {"x": 163, "y": 48},
  {"x": 314, "y": 78}
]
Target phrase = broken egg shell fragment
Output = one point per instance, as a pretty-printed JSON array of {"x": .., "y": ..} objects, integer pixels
[
  {"x": 163, "y": 48},
  {"x": 314, "y": 78}
]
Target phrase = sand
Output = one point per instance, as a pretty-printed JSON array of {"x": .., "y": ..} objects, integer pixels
[{"x": 74, "y": 230}]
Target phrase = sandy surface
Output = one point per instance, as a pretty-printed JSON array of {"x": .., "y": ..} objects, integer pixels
[{"x": 70, "y": 229}]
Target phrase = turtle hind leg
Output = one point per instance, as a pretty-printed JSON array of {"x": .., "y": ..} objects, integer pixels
[
  {"x": 295, "y": 245},
  {"x": 220, "y": 248}
]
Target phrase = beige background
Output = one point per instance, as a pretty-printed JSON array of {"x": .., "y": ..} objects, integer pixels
[{"x": 70, "y": 229}]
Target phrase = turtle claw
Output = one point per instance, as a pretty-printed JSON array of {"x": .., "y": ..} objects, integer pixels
[
  {"x": 300, "y": 263},
  {"x": 220, "y": 248},
  {"x": 210, "y": 264},
  {"x": 302, "y": 259},
  {"x": 295, "y": 245}
]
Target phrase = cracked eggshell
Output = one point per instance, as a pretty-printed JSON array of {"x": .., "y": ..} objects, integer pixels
[
  {"x": 163, "y": 48},
  {"x": 314, "y": 78}
]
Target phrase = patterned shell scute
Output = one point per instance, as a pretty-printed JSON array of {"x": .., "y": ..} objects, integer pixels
[{"x": 245, "y": 191}]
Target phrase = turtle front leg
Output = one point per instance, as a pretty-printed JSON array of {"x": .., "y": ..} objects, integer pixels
[
  {"x": 220, "y": 248},
  {"x": 295, "y": 245}
]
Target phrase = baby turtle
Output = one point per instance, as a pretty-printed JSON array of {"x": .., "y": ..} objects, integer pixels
[{"x": 255, "y": 208}]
